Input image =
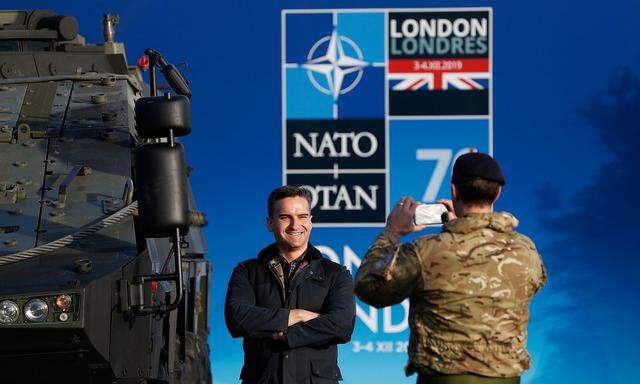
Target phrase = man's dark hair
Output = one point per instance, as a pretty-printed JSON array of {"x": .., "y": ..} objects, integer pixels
[
  {"x": 284, "y": 192},
  {"x": 477, "y": 191}
]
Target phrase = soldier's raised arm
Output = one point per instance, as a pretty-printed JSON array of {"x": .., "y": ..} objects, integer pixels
[{"x": 391, "y": 270}]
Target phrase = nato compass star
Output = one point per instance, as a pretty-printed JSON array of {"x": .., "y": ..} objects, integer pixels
[{"x": 335, "y": 65}]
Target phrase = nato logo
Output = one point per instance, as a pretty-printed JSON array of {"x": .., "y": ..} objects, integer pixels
[{"x": 334, "y": 65}]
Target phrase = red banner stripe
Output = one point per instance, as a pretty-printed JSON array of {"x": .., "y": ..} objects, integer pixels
[{"x": 438, "y": 65}]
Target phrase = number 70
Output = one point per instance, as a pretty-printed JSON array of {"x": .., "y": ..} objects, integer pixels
[{"x": 444, "y": 159}]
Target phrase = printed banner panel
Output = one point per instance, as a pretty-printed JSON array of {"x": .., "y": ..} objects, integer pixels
[
  {"x": 347, "y": 196},
  {"x": 336, "y": 144},
  {"x": 424, "y": 152},
  {"x": 378, "y": 104},
  {"x": 335, "y": 114},
  {"x": 335, "y": 65},
  {"x": 439, "y": 63},
  {"x": 350, "y": 76}
]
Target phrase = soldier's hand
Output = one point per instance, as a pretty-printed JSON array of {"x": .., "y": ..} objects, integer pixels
[
  {"x": 451, "y": 213},
  {"x": 400, "y": 220}
]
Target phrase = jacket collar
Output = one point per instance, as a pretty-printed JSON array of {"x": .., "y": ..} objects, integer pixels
[
  {"x": 498, "y": 221},
  {"x": 271, "y": 251},
  {"x": 315, "y": 269}
]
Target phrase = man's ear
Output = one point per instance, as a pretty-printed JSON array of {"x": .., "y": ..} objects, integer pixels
[
  {"x": 269, "y": 223},
  {"x": 454, "y": 192},
  {"x": 498, "y": 194}
]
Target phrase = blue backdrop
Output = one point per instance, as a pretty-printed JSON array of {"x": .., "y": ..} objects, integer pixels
[{"x": 566, "y": 95}]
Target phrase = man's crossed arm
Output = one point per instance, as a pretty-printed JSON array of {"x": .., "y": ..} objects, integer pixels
[
  {"x": 335, "y": 323},
  {"x": 298, "y": 327}
]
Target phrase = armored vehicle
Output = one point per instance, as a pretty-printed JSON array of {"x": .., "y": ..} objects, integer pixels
[{"x": 103, "y": 276}]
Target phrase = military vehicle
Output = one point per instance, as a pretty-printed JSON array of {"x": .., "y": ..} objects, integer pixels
[{"x": 103, "y": 276}]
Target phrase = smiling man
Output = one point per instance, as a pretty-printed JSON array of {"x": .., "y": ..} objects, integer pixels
[{"x": 291, "y": 305}]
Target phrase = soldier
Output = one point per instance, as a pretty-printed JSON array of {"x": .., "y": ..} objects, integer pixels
[{"x": 469, "y": 286}]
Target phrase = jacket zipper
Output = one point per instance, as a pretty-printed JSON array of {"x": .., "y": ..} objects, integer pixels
[{"x": 283, "y": 293}]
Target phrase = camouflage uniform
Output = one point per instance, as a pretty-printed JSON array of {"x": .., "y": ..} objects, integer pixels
[{"x": 469, "y": 289}]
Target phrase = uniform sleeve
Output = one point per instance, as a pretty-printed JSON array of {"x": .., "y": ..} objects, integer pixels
[
  {"x": 243, "y": 317},
  {"x": 539, "y": 277},
  {"x": 538, "y": 272},
  {"x": 389, "y": 272}
]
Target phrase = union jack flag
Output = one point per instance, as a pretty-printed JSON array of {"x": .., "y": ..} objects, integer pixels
[{"x": 438, "y": 74}]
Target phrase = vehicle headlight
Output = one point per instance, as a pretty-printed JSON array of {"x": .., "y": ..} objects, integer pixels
[
  {"x": 36, "y": 310},
  {"x": 9, "y": 312},
  {"x": 63, "y": 301}
]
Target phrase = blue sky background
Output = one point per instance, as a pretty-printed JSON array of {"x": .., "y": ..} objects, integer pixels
[{"x": 566, "y": 101}]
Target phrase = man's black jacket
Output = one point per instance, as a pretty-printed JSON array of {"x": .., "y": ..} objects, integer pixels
[{"x": 256, "y": 307}]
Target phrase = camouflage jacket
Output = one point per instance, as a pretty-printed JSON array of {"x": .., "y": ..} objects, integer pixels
[{"x": 469, "y": 289}]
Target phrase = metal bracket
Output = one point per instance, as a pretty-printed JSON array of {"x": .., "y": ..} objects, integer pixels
[
  {"x": 127, "y": 193},
  {"x": 123, "y": 295},
  {"x": 12, "y": 193},
  {"x": 6, "y": 134},
  {"x": 130, "y": 295},
  {"x": 131, "y": 292},
  {"x": 114, "y": 204},
  {"x": 63, "y": 190},
  {"x": 24, "y": 132}
]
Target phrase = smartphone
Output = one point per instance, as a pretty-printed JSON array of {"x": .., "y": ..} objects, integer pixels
[{"x": 429, "y": 214}]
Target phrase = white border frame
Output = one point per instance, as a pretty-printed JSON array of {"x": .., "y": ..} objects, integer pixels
[{"x": 387, "y": 118}]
